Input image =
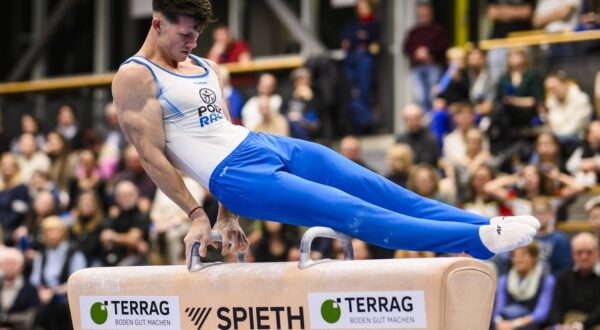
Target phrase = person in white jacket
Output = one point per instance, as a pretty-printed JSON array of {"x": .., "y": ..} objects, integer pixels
[
  {"x": 584, "y": 163},
  {"x": 251, "y": 116},
  {"x": 569, "y": 108}
]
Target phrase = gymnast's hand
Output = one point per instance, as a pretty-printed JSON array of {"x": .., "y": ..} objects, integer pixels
[
  {"x": 234, "y": 239},
  {"x": 198, "y": 232}
]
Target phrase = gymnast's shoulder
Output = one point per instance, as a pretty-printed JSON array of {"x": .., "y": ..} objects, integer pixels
[{"x": 131, "y": 79}]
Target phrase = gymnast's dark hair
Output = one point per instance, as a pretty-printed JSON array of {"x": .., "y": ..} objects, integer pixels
[{"x": 199, "y": 10}]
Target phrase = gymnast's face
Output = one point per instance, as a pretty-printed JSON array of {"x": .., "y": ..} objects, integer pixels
[{"x": 176, "y": 39}]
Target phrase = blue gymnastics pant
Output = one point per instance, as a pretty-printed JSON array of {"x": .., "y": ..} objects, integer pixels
[{"x": 302, "y": 183}]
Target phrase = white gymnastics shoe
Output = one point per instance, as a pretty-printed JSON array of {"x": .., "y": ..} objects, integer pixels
[
  {"x": 524, "y": 219},
  {"x": 506, "y": 237}
]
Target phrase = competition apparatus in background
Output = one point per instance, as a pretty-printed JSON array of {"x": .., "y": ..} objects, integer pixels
[{"x": 435, "y": 293}]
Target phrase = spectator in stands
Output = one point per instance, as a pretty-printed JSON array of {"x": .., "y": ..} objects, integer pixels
[
  {"x": 275, "y": 242},
  {"x": 425, "y": 45},
  {"x": 271, "y": 122},
  {"x": 555, "y": 251},
  {"x": 399, "y": 159},
  {"x": 455, "y": 148},
  {"x": 19, "y": 298},
  {"x": 14, "y": 197},
  {"x": 135, "y": 173},
  {"x": 301, "y": 108},
  {"x": 108, "y": 155},
  {"x": 482, "y": 87},
  {"x": 232, "y": 96},
  {"x": 267, "y": 83},
  {"x": 425, "y": 181},
  {"x": 29, "y": 125},
  {"x": 557, "y": 16},
  {"x": 51, "y": 269},
  {"x": 66, "y": 125},
  {"x": 547, "y": 153},
  {"x": 424, "y": 145},
  {"x": 519, "y": 93},
  {"x": 517, "y": 190},
  {"x": 125, "y": 236},
  {"x": 453, "y": 86},
  {"x": 524, "y": 296},
  {"x": 225, "y": 49},
  {"x": 584, "y": 163},
  {"x": 476, "y": 154},
  {"x": 569, "y": 108},
  {"x": 350, "y": 148},
  {"x": 28, "y": 236},
  {"x": 441, "y": 121},
  {"x": 589, "y": 18},
  {"x": 40, "y": 182},
  {"x": 592, "y": 207},
  {"x": 87, "y": 177},
  {"x": 477, "y": 200},
  {"x": 88, "y": 219},
  {"x": 576, "y": 301},
  {"x": 170, "y": 223},
  {"x": 361, "y": 250},
  {"x": 63, "y": 162},
  {"x": 112, "y": 131},
  {"x": 360, "y": 39},
  {"x": 30, "y": 159},
  {"x": 507, "y": 16}
]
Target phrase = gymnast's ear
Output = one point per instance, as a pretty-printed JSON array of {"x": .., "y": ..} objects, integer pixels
[{"x": 156, "y": 23}]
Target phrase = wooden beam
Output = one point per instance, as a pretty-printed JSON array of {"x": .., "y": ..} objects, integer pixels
[
  {"x": 540, "y": 39},
  {"x": 101, "y": 80},
  {"x": 47, "y": 85},
  {"x": 575, "y": 226}
]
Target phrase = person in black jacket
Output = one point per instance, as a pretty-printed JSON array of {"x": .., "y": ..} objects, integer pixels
[
  {"x": 423, "y": 144},
  {"x": 19, "y": 299},
  {"x": 125, "y": 235},
  {"x": 14, "y": 196},
  {"x": 87, "y": 226},
  {"x": 576, "y": 301}
]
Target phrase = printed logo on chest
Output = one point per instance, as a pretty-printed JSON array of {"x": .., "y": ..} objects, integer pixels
[{"x": 210, "y": 112}]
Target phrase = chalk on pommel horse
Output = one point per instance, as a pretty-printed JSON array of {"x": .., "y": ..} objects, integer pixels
[{"x": 435, "y": 293}]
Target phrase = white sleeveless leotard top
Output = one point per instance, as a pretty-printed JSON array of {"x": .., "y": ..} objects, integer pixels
[{"x": 198, "y": 135}]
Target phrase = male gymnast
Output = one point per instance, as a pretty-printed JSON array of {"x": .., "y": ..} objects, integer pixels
[{"x": 171, "y": 108}]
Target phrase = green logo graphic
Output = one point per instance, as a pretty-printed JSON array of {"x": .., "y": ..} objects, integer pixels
[
  {"x": 330, "y": 311},
  {"x": 99, "y": 313}
]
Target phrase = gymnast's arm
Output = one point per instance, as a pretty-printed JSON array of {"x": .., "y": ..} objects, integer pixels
[{"x": 140, "y": 118}]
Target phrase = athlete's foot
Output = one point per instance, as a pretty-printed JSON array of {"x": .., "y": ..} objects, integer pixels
[
  {"x": 523, "y": 219},
  {"x": 505, "y": 237}
]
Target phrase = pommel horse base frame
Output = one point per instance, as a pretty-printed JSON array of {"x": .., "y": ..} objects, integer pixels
[{"x": 436, "y": 293}]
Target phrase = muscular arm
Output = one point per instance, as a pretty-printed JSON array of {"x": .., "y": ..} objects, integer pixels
[{"x": 140, "y": 119}]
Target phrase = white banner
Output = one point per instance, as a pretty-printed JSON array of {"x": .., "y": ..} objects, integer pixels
[
  {"x": 367, "y": 310},
  {"x": 130, "y": 312}
]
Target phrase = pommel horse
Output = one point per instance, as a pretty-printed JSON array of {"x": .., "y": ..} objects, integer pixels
[{"x": 430, "y": 293}]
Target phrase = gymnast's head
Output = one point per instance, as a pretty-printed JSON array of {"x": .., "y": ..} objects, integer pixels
[{"x": 176, "y": 25}]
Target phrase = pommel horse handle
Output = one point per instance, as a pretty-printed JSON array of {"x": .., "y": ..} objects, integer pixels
[
  {"x": 314, "y": 232},
  {"x": 197, "y": 264}
]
